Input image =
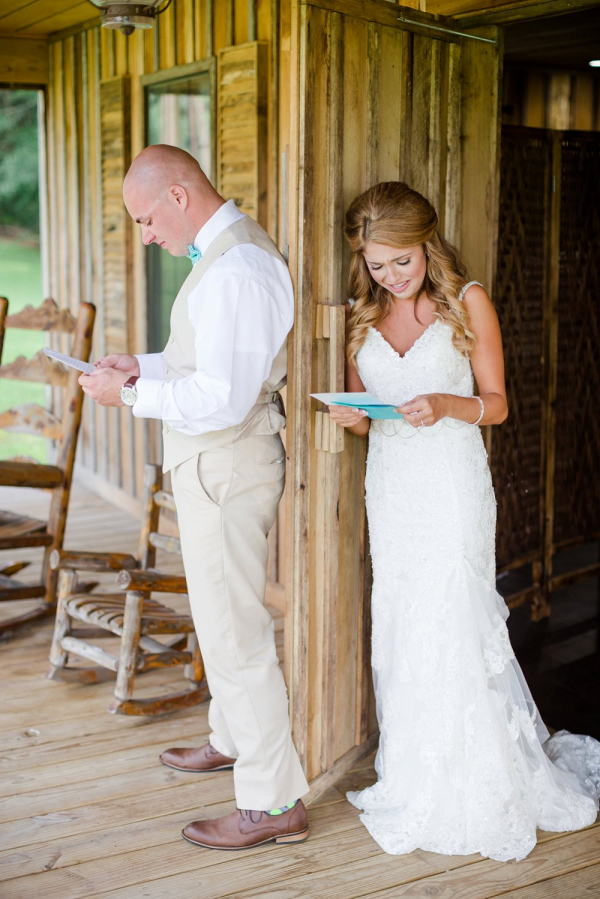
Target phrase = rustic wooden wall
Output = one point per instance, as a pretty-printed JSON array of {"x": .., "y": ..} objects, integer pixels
[
  {"x": 23, "y": 61},
  {"x": 242, "y": 154},
  {"x": 551, "y": 99},
  {"x": 96, "y": 99},
  {"x": 376, "y": 100}
]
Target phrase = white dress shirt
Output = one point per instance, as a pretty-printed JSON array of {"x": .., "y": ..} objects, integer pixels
[{"x": 241, "y": 311}]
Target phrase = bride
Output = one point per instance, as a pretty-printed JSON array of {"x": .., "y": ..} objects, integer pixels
[{"x": 463, "y": 764}]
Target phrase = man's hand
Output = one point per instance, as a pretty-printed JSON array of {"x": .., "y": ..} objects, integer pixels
[
  {"x": 345, "y": 416},
  {"x": 104, "y": 384},
  {"x": 121, "y": 362}
]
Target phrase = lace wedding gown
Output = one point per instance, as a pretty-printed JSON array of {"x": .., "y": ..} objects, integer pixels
[{"x": 460, "y": 765}]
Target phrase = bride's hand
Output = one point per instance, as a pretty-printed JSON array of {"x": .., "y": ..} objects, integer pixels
[
  {"x": 345, "y": 416},
  {"x": 424, "y": 411}
]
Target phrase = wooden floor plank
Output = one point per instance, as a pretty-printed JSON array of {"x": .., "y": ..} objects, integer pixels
[
  {"x": 479, "y": 879},
  {"x": 88, "y": 811},
  {"x": 97, "y": 724},
  {"x": 153, "y": 778},
  {"x": 90, "y": 852},
  {"x": 192, "y": 796},
  {"x": 132, "y": 765},
  {"x": 65, "y": 824},
  {"x": 260, "y": 870},
  {"x": 581, "y": 884},
  {"x": 56, "y": 746}
]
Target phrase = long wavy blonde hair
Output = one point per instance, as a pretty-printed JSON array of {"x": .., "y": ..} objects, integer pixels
[{"x": 393, "y": 214}]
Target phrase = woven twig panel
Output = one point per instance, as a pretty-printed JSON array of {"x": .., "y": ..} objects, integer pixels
[
  {"x": 519, "y": 300},
  {"x": 576, "y": 482}
]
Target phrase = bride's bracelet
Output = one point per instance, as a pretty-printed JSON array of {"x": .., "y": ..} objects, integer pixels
[{"x": 481, "y": 414}]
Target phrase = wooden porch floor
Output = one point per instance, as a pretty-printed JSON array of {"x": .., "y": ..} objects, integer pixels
[{"x": 86, "y": 809}]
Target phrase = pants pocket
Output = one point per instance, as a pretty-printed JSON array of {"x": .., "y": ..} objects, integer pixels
[{"x": 215, "y": 473}]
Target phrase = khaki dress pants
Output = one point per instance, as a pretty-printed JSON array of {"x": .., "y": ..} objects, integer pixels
[{"x": 226, "y": 501}]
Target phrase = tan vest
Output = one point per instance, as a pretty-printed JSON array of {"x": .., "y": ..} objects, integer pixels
[{"x": 179, "y": 357}]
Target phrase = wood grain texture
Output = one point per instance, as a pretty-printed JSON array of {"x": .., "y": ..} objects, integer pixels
[
  {"x": 23, "y": 61},
  {"x": 55, "y": 478},
  {"x": 115, "y": 142},
  {"x": 352, "y": 57},
  {"x": 480, "y": 160},
  {"x": 339, "y": 133},
  {"x": 46, "y": 317},
  {"x": 242, "y": 127},
  {"x": 70, "y": 560},
  {"x": 88, "y": 811},
  {"x": 39, "y": 368},
  {"x": 31, "y": 419},
  {"x": 151, "y": 580},
  {"x": 131, "y": 617},
  {"x": 472, "y": 13},
  {"x": 96, "y": 258}
]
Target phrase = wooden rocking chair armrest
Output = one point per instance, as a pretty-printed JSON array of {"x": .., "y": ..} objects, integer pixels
[
  {"x": 29, "y": 474},
  {"x": 150, "y": 579},
  {"x": 88, "y": 561}
]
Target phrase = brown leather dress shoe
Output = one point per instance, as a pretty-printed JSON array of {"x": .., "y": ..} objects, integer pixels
[
  {"x": 245, "y": 829},
  {"x": 196, "y": 760}
]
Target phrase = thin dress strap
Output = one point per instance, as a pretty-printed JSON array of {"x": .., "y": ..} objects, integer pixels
[{"x": 466, "y": 287}]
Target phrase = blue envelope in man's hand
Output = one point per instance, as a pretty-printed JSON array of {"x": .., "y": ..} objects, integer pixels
[{"x": 372, "y": 406}]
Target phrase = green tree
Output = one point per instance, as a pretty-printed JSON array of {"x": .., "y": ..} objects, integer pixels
[{"x": 19, "y": 183}]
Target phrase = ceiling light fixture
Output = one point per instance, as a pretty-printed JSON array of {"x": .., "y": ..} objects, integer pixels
[
  {"x": 595, "y": 63},
  {"x": 127, "y": 15}
]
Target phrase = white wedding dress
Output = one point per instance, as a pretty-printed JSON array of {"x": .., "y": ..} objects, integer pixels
[{"x": 460, "y": 765}]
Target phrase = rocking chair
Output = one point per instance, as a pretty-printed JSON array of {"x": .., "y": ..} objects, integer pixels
[
  {"x": 17, "y": 531},
  {"x": 133, "y": 616}
]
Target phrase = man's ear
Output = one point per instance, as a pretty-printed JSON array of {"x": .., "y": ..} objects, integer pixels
[{"x": 179, "y": 195}]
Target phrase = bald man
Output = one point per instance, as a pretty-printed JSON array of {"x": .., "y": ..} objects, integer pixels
[{"x": 216, "y": 389}]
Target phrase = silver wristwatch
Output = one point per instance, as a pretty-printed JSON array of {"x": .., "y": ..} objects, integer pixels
[{"x": 128, "y": 392}]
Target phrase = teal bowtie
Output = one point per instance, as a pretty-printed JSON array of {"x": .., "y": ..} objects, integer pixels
[{"x": 194, "y": 254}]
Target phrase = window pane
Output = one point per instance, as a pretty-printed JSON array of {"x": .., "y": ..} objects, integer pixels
[
  {"x": 20, "y": 261},
  {"x": 179, "y": 114}
]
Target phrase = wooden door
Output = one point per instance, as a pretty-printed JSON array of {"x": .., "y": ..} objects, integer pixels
[{"x": 377, "y": 98}]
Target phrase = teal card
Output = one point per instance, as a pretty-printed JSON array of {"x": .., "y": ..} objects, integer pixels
[{"x": 374, "y": 407}]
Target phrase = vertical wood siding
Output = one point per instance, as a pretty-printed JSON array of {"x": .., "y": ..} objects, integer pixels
[
  {"x": 95, "y": 99},
  {"x": 376, "y": 102},
  {"x": 242, "y": 151},
  {"x": 114, "y": 142},
  {"x": 551, "y": 99}
]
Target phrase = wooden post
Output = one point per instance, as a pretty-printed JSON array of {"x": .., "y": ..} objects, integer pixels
[
  {"x": 62, "y": 627},
  {"x": 195, "y": 670},
  {"x": 541, "y": 605},
  {"x": 57, "y": 518},
  {"x": 252, "y": 28},
  {"x": 210, "y": 14},
  {"x": 150, "y": 514},
  {"x": 129, "y": 646},
  {"x": 230, "y": 23}
]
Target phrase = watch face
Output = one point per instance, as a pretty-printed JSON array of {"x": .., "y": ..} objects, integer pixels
[{"x": 128, "y": 395}]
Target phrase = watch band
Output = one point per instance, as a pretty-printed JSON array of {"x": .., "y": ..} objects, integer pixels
[{"x": 128, "y": 391}]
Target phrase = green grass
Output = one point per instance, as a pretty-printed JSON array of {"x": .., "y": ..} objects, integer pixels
[{"x": 21, "y": 282}]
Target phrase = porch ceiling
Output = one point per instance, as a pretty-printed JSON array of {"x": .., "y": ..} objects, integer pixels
[
  {"x": 568, "y": 41},
  {"x": 39, "y": 18}
]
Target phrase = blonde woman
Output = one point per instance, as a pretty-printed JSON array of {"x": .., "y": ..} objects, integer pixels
[{"x": 460, "y": 766}]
